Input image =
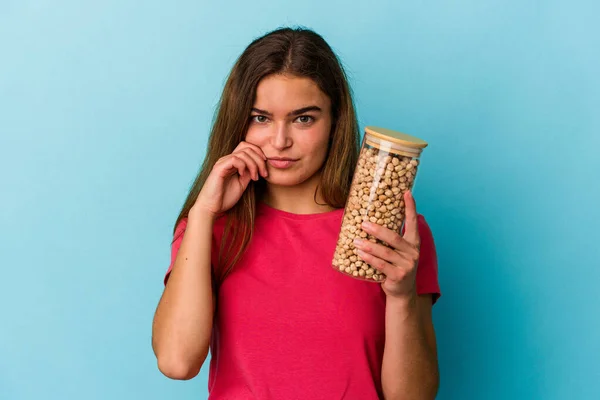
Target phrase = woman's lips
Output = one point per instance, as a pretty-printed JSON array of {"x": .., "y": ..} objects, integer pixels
[{"x": 281, "y": 164}]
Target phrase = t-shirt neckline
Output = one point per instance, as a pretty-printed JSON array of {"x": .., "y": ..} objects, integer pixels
[{"x": 266, "y": 209}]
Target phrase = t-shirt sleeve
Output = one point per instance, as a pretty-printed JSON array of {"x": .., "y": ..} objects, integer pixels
[
  {"x": 427, "y": 269},
  {"x": 175, "y": 245}
]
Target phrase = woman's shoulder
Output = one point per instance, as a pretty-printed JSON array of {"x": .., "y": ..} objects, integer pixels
[{"x": 422, "y": 224}]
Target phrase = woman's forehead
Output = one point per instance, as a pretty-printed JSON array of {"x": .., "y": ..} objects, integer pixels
[{"x": 281, "y": 94}]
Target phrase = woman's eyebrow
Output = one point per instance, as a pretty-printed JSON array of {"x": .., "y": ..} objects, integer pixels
[
  {"x": 292, "y": 113},
  {"x": 304, "y": 110}
]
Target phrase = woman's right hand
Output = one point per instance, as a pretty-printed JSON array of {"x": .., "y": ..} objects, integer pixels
[{"x": 230, "y": 177}]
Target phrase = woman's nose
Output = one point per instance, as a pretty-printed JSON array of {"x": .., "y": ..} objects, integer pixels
[{"x": 281, "y": 138}]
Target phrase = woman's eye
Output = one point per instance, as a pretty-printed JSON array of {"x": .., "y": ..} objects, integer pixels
[
  {"x": 305, "y": 119},
  {"x": 261, "y": 119}
]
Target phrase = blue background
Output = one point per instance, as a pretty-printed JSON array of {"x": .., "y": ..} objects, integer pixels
[{"x": 105, "y": 108}]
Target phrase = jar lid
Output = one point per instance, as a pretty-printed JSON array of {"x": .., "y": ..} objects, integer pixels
[{"x": 396, "y": 137}]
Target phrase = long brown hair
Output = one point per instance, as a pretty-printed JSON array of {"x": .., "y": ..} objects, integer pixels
[{"x": 298, "y": 52}]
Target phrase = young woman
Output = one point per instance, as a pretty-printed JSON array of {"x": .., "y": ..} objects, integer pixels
[{"x": 251, "y": 276}]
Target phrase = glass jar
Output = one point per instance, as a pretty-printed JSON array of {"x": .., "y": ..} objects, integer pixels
[{"x": 387, "y": 168}]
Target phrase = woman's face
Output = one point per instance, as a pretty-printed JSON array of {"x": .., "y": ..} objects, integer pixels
[{"x": 291, "y": 123}]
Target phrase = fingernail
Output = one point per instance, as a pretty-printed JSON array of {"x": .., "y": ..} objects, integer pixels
[
  {"x": 358, "y": 242},
  {"x": 367, "y": 224}
]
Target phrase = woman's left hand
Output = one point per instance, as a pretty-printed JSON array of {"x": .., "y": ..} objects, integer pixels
[{"x": 398, "y": 263}]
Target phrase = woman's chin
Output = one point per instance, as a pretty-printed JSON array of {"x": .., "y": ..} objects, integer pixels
[{"x": 284, "y": 179}]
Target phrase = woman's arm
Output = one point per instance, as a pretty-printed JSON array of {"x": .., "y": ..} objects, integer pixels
[
  {"x": 410, "y": 367},
  {"x": 183, "y": 320}
]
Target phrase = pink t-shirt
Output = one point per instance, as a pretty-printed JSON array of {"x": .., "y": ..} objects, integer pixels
[{"x": 288, "y": 325}]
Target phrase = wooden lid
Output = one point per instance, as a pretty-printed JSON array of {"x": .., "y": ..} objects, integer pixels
[{"x": 396, "y": 137}]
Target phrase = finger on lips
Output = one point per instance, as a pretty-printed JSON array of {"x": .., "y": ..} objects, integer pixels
[
  {"x": 255, "y": 154},
  {"x": 262, "y": 164},
  {"x": 254, "y": 148},
  {"x": 248, "y": 163},
  {"x": 257, "y": 161},
  {"x": 237, "y": 164}
]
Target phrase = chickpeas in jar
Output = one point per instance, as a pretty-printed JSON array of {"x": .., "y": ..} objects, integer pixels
[{"x": 387, "y": 167}]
